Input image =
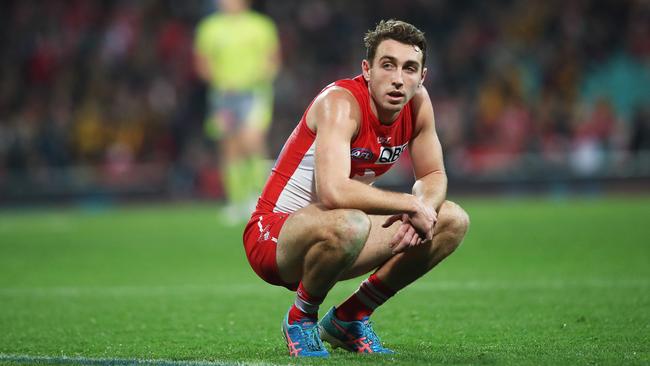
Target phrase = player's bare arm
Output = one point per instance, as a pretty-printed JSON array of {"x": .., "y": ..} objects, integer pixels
[
  {"x": 426, "y": 154},
  {"x": 334, "y": 117},
  {"x": 202, "y": 67},
  {"x": 431, "y": 181}
]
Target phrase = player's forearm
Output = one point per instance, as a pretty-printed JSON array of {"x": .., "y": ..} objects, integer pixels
[
  {"x": 431, "y": 189},
  {"x": 273, "y": 65},
  {"x": 356, "y": 195},
  {"x": 202, "y": 67}
]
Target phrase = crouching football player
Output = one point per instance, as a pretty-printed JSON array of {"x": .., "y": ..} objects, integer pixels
[{"x": 319, "y": 221}]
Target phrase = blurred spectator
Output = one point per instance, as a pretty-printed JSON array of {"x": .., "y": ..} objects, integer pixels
[
  {"x": 237, "y": 54},
  {"x": 519, "y": 87}
]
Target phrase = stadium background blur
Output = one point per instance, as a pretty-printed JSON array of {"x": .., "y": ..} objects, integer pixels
[
  {"x": 99, "y": 99},
  {"x": 544, "y": 101}
]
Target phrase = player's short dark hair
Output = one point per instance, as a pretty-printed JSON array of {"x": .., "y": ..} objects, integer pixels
[{"x": 397, "y": 30}]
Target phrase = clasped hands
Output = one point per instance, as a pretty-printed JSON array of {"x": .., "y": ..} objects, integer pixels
[{"x": 415, "y": 228}]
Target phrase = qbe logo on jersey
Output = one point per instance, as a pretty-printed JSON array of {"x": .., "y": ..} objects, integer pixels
[{"x": 390, "y": 154}]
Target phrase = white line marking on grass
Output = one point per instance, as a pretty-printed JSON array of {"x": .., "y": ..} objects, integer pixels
[
  {"x": 65, "y": 360},
  {"x": 55, "y": 224},
  {"x": 245, "y": 288},
  {"x": 256, "y": 288},
  {"x": 532, "y": 285}
]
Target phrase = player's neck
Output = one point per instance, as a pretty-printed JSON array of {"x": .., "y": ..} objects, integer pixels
[{"x": 385, "y": 117}]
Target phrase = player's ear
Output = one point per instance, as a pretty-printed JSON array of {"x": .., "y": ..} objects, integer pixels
[
  {"x": 365, "y": 68},
  {"x": 424, "y": 75}
]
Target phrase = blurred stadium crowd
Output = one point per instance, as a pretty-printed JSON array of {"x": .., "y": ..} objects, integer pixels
[{"x": 101, "y": 96}]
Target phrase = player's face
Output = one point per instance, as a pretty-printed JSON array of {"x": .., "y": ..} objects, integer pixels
[{"x": 394, "y": 77}]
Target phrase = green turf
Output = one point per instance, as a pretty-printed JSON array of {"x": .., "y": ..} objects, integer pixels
[{"x": 535, "y": 282}]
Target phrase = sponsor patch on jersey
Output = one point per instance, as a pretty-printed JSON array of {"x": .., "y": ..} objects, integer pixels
[
  {"x": 390, "y": 154},
  {"x": 359, "y": 153}
]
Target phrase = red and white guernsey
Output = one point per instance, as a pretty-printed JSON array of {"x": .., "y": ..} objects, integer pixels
[{"x": 373, "y": 151}]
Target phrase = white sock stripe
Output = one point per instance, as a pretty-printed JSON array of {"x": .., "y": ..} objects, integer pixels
[
  {"x": 372, "y": 289},
  {"x": 306, "y": 307},
  {"x": 366, "y": 300},
  {"x": 308, "y": 303},
  {"x": 370, "y": 295}
]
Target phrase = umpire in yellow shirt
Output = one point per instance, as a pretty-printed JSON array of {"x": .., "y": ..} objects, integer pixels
[{"x": 237, "y": 54}]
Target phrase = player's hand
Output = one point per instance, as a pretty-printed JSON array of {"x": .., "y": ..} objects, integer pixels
[
  {"x": 423, "y": 221},
  {"x": 405, "y": 236}
]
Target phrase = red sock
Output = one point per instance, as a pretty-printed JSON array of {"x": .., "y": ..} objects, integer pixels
[
  {"x": 371, "y": 293},
  {"x": 305, "y": 306}
]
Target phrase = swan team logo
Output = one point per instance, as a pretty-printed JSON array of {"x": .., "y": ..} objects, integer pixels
[{"x": 384, "y": 140}]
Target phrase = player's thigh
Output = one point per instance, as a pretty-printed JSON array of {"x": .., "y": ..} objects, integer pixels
[
  {"x": 308, "y": 226},
  {"x": 377, "y": 249},
  {"x": 298, "y": 233}
]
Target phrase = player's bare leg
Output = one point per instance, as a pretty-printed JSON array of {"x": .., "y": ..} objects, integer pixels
[
  {"x": 399, "y": 270},
  {"x": 347, "y": 326},
  {"x": 315, "y": 246},
  {"x": 404, "y": 268}
]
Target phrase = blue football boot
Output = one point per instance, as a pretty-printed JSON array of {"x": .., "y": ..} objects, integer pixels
[
  {"x": 355, "y": 336},
  {"x": 303, "y": 338}
]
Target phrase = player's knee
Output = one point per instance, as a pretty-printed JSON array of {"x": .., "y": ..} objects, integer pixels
[
  {"x": 350, "y": 231},
  {"x": 460, "y": 221},
  {"x": 455, "y": 220},
  {"x": 358, "y": 227}
]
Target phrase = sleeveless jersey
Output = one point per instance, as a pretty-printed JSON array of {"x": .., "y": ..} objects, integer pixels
[{"x": 373, "y": 151}]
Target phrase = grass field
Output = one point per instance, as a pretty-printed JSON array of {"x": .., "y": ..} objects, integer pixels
[{"x": 535, "y": 282}]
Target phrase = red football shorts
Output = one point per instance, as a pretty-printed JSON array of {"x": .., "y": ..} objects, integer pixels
[{"x": 260, "y": 242}]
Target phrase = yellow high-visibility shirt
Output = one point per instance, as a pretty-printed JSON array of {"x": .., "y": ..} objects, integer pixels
[{"x": 239, "y": 49}]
